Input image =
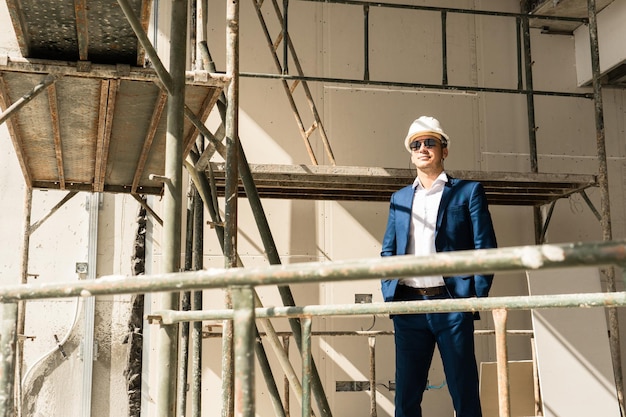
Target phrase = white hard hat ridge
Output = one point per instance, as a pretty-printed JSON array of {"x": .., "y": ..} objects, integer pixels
[{"x": 424, "y": 124}]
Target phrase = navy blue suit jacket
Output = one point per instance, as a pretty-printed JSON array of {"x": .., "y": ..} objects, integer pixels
[{"x": 463, "y": 223}]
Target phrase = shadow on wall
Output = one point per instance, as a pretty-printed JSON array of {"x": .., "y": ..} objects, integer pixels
[{"x": 53, "y": 385}]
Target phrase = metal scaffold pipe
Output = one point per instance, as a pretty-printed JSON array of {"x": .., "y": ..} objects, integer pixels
[
  {"x": 518, "y": 258},
  {"x": 231, "y": 204},
  {"x": 8, "y": 342},
  {"x": 605, "y": 205},
  {"x": 167, "y": 349},
  {"x": 306, "y": 366},
  {"x": 196, "y": 304},
  {"x": 587, "y": 300},
  {"x": 165, "y": 77},
  {"x": 243, "y": 301}
]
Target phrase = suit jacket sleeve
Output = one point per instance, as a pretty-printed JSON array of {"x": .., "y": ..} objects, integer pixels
[
  {"x": 396, "y": 233},
  {"x": 389, "y": 246},
  {"x": 484, "y": 234}
]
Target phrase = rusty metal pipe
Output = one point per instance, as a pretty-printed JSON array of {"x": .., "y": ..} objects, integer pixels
[
  {"x": 166, "y": 78},
  {"x": 371, "y": 342},
  {"x": 196, "y": 305},
  {"x": 306, "y": 367},
  {"x": 605, "y": 204}
]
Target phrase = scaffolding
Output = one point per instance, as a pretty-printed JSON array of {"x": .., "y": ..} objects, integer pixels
[
  {"x": 111, "y": 82},
  {"x": 244, "y": 313}
]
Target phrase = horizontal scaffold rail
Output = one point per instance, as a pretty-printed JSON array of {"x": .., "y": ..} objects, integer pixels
[
  {"x": 444, "y": 263},
  {"x": 614, "y": 299},
  {"x": 364, "y": 333}
]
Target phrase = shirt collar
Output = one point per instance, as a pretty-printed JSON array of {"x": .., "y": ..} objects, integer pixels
[{"x": 441, "y": 179}]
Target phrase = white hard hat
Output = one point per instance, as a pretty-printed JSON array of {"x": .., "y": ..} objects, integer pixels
[{"x": 425, "y": 124}]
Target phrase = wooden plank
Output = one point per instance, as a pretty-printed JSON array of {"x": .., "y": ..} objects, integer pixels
[
  {"x": 144, "y": 18},
  {"x": 19, "y": 26},
  {"x": 15, "y": 133},
  {"x": 105, "y": 124},
  {"x": 82, "y": 29},
  {"x": 56, "y": 131},
  {"x": 147, "y": 144},
  {"x": 203, "y": 114}
]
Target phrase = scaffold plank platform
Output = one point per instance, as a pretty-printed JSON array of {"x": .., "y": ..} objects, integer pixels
[
  {"x": 94, "y": 30},
  {"x": 98, "y": 127},
  {"x": 316, "y": 182},
  {"x": 564, "y": 8}
]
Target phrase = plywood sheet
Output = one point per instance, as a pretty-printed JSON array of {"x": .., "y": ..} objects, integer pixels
[
  {"x": 572, "y": 347},
  {"x": 521, "y": 388}
]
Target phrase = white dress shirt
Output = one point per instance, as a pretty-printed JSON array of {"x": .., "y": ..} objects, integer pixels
[{"x": 422, "y": 228}]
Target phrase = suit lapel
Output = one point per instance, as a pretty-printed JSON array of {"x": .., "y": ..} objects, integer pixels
[
  {"x": 406, "y": 200},
  {"x": 445, "y": 199}
]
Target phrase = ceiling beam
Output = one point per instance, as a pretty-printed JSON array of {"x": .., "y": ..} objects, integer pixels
[{"x": 108, "y": 96}]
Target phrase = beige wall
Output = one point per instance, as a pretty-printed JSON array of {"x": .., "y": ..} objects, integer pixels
[{"x": 365, "y": 125}]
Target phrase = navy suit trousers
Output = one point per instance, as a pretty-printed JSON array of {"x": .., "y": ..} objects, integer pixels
[{"x": 415, "y": 337}]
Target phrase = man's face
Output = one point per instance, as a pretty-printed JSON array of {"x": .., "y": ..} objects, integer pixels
[{"x": 428, "y": 155}]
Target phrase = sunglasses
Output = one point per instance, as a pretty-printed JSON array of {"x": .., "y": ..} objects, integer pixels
[{"x": 429, "y": 143}]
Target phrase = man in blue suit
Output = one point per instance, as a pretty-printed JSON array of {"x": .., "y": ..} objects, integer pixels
[{"x": 436, "y": 213}]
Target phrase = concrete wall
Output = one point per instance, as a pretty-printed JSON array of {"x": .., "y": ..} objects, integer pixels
[{"x": 366, "y": 126}]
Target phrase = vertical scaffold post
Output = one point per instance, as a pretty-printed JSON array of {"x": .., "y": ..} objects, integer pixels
[
  {"x": 605, "y": 205},
  {"x": 244, "y": 335},
  {"x": 286, "y": 379},
  {"x": 196, "y": 304},
  {"x": 372, "y": 348},
  {"x": 21, "y": 305},
  {"x": 306, "y": 366},
  {"x": 172, "y": 206},
  {"x": 8, "y": 342},
  {"x": 231, "y": 190}
]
